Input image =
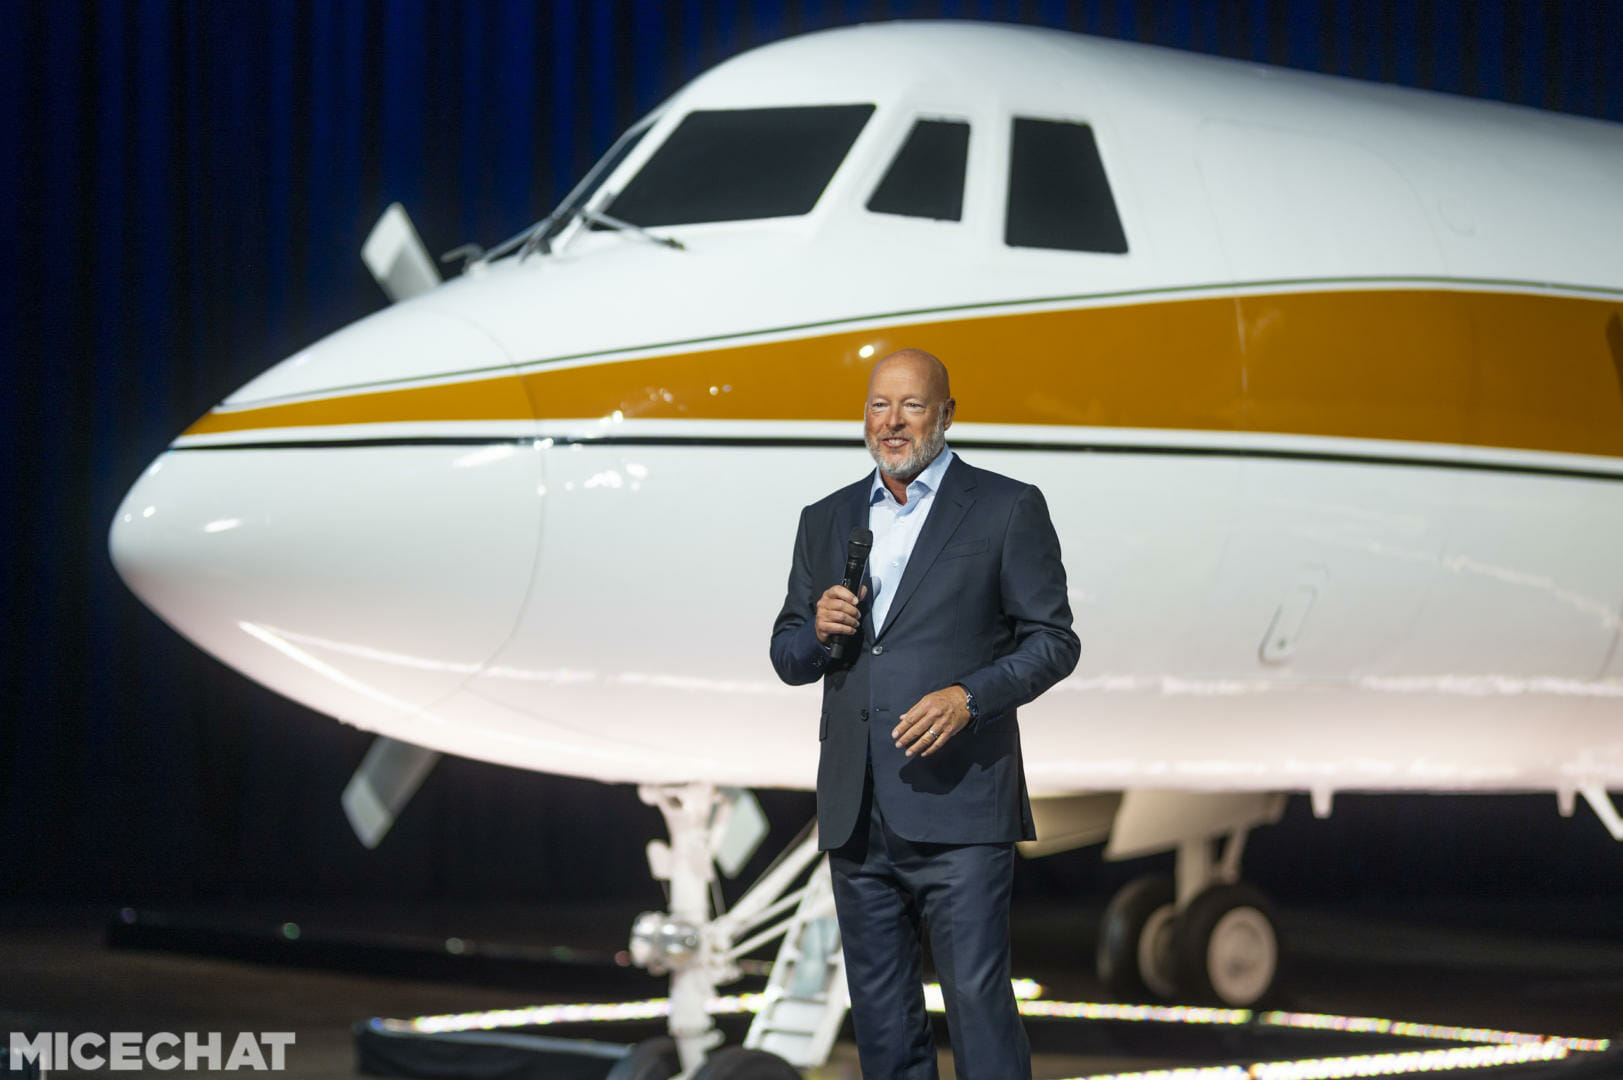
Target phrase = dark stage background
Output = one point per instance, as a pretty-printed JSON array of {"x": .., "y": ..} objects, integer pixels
[{"x": 184, "y": 187}]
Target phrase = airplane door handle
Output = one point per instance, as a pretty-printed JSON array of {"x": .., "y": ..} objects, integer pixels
[{"x": 1290, "y": 618}]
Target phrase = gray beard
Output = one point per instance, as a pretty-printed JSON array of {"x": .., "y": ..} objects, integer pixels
[{"x": 924, "y": 451}]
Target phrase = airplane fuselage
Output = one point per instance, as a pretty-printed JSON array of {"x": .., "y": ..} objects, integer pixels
[{"x": 1334, "y": 446}]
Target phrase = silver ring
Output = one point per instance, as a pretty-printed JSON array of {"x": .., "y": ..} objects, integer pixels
[{"x": 932, "y": 732}]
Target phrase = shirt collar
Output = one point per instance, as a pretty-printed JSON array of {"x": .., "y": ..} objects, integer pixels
[{"x": 923, "y": 484}]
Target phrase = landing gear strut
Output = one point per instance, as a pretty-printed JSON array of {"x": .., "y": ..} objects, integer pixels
[{"x": 699, "y": 947}]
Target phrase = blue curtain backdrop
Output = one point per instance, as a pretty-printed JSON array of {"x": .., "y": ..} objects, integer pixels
[{"x": 184, "y": 187}]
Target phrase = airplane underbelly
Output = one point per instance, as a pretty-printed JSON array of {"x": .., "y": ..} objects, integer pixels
[
  {"x": 602, "y": 608},
  {"x": 1184, "y": 570},
  {"x": 1507, "y": 736},
  {"x": 1365, "y": 625},
  {"x": 660, "y": 571},
  {"x": 1342, "y": 571}
]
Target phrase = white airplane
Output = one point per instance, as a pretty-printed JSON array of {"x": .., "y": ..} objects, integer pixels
[{"x": 1323, "y": 381}]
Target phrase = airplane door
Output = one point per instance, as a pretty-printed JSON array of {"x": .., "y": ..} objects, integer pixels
[{"x": 1330, "y": 552}]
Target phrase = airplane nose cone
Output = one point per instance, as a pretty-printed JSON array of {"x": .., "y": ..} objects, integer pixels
[
  {"x": 135, "y": 543},
  {"x": 171, "y": 542},
  {"x": 361, "y": 580}
]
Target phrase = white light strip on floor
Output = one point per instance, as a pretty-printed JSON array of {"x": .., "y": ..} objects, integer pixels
[
  {"x": 1361, "y": 1065},
  {"x": 1367, "y": 1025},
  {"x": 1165, "y": 1014},
  {"x": 1191, "y": 1072},
  {"x": 1374, "y": 1025},
  {"x": 648, "y": 1009},
  {"x": 1493, "y": 1047}
]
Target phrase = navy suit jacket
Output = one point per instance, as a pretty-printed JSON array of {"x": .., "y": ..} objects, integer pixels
[{"x": 982, "y": 603}]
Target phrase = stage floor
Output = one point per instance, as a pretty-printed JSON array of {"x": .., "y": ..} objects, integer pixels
[{"x": 1548, "y": 967}]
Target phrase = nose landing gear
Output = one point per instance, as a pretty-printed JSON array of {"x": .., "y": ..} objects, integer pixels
[
  {"x": 700, "y": 947},
  {"x": 1218, "y": 947}
]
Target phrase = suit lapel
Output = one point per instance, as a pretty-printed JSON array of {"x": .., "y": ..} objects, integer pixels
[
  {"x": 952, "y": 502},
  {"x": 851, "y": 512}
]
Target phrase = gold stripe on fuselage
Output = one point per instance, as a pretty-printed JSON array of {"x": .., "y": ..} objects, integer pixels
[{"x": 1501, "y": 369}]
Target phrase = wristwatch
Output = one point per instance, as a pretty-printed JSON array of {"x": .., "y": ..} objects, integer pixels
[{"x": 969, "y": 702}]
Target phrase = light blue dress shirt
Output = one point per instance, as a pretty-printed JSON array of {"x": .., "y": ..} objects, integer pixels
[{"x": 896, "y": 529}]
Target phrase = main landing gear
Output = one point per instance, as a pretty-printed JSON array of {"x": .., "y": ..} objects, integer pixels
[
  {"x": 1210, "y": 938},
  {"x": 804, "y": 1001}
]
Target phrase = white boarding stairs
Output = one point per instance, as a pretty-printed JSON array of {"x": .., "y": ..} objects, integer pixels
[{"x": 806, "y": 997}]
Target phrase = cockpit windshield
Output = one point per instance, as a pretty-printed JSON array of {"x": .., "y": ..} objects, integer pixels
[{"x": 740, "y": 165}]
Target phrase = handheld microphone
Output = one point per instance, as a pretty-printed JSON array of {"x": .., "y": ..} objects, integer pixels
[{"x": 856, "y": 557}]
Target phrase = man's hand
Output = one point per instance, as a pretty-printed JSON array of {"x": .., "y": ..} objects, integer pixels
[
  {"x": 937, "y": 717},
  {"x": 837, "y": 612}
]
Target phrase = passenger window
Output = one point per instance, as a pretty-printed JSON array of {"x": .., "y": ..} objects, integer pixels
[
  {"x": 741, "y": 164},
  {"x": 1059, "y": 197},
  {"x": 927, "y": 177}
]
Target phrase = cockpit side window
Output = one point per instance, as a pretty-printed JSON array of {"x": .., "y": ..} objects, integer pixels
[
  {"x": 1059, "y": 196},
  {"x": 741, "y": 165},
  {"x": 926, "y": 178}
]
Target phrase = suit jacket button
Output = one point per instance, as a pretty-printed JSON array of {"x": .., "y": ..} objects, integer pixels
[
  {"x": 864, "y": 715},
  {"x": 877, "y": 649}
]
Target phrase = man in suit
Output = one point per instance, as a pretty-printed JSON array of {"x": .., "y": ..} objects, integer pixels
[{"x": 963, "y": 617}]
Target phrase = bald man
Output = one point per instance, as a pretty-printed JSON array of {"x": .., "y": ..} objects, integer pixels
[{"x": 962, "y": 618}]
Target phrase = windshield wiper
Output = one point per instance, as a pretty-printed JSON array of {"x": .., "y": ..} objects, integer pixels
[
  {"x": 538, "y": 237},
  {"x": 530, "y": 237},
  {"x": 600, "y": 218}
]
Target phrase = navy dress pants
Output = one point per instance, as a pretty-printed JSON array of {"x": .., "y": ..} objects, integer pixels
[{"x": 884, "y": 886}]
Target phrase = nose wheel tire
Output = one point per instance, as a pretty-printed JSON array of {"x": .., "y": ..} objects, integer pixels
[
  {"x": 1135, "y": 958},
  {"x": 742, "y": 1063},
  {"x": 1226, "y": 948}
]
